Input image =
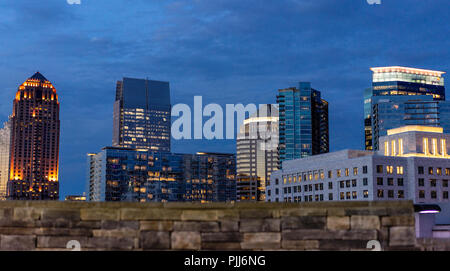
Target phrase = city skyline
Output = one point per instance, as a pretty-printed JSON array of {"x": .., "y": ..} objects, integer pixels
[{"x": 229, "y": 81}]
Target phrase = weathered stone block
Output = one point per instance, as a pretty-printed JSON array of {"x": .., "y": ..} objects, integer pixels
[
  {"x": 16, "y": 231},
  {"x": 402, "y": 220},
  {"x": 149, "y": 214},
  {"x": 221, "y": 246},
  {"x": 63, "y": 232},
  {"x": 261, "y": 240},
  {"x": 342, "y": 245},
  {"x": 303, "y": 212},
  {"x": 303, "y": 222},
  {"x": 365, "y": 222},
  {"x": 186, "y": 240},
  {"x": 227, "y": 237},
  {"x": 199, "y": 215},
  {"x": 338, "y": 222},
  {"x": 257, "y": 213},
  {"x": 156, "y": 225},
  {"x": 123, "y": 232},
  {"x": 300, "y": 244},
  {"x": 17, "y": 242},
  {"x": 307, "y": 234},
  {"x": 60, "y": 241},
  {"x": 155, "y": 240},
  {"x": 110, "y": 243},
  {"x": 366, "y": 211},
  {"x": 54, "y": 223},
  {"x": 260, "y": 225},
  {"x": 196, "y": 226},
  {"x": 229, "y": 225},
  {"x": 402, "y": 236},
  {"x": 100, "y": 214},
  {"x": 114, "y": 224},
  {"x": 26, "y": 213},
  {"x": 55, "y": 213}
]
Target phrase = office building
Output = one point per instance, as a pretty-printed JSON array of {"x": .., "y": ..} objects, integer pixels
[
  {"x": 257, "y": 153},
  {"x": 412, "y": 164},
  {"x": 35, "y": 128},
  {"x": 5, "y": 137},
  {"x": 389, "y": 112},
  {"x": 403, "y": 81},
  {"x": 142, "y": 115},
  {"x": 303, "y": 122},
  {"x": 141, "y": 175}
]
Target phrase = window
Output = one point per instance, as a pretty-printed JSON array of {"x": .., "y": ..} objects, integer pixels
[
  {"x": 379, "y": 169},
  {"x": 420, "y": 170},
  {"x": 365, "y": 181},
  {"x": 277, "y": 191},
  {"x": 445, "y": 194},
  {"x": 439, "y": 171},
  {"x": 355, "y": 171},
  {"x": 421, "y": 182},
  {"x": 390, "y": 193},
  {"x": 354, "y": 183},
  {"x": 295, "y": 189},
  {"x": 341, "y": 184},
  {"x": 447, "y": 171},
  {"x": 444, "y": 183},
  {"x": 316, "y": 186},
  {"x": 366, "y": 194},
  {"x": 276, "y": 181},
  {"x": 321, "y": 186},
  {"x": 380, "y": 193},
  {"x": 342, "y": 196},
  {"x": 330, "y": 174},
  {"x": 400, "y": 181},
  {"x": 433, "y": 183},
  {"x": 330, "y": 185},
  {"x": 390, "y": 181},
  {"x": 433, "y": 194},
  {"x": 330, "y": 196},
  {"x": 299, "y": 188},
  {"x": 400, "y": 170},
  {"x": 285, "y": 190},
  {"x": 347, "y": 195},
  {"x": 379, "y": 181},
  {"x": 390, "y": 169},
  {"x": 269, "y": 192},
  {"x": 401, "y": 194},
  {"x": 364, "y": 169},
  {"x": 421, "y": 194},
  {"x": 347, "y": 172},
  {"x": 347, "y": 183},
  {"x": 305, "y": 188},
  {"x": 338, "y": 172},
  {"x": 430, "y": 171},
  {"x": 354, "y": 195}
]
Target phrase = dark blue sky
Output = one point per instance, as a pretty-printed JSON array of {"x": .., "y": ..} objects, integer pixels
[{"x": 228, "y": 51}]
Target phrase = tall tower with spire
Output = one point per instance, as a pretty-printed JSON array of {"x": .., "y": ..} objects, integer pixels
[{"x": 34, "y": 154}]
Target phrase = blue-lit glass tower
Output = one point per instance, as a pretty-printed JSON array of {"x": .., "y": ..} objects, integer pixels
[
  {"x": 399, "y": 81},
  {"x": 303, "y": 122},
  {"x": 142, "y": 115}
]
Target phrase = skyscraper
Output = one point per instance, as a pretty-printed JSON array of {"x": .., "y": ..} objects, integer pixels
[
  {"x": 257, "y": 153},
  {"x": 35, "y": 127},
  {"x": 303, "y": 122},
  {"x": 389, "y": 112},
  {"x": 389, "y": 81},
  {"x": 5, "y": 137},
  {"x": 142, "y": 115}
]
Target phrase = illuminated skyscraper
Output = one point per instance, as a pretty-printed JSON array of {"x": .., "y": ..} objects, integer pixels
[
  {"x": 303, "y": 122},
  {"x": 393, "y": 81},
  {"x": 34, "y": 149},
  {"x": 257, "y": 153},
  {"x": 142, "y": 115},
  {"x": 5, "y": 137}
]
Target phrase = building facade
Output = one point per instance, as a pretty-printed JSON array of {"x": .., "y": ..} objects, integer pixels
[
  {"x": 5, "y": 138},
  {"x": 412, "y": 164},
  {"x": 389, "y": 112},
  {"x": 142, "y": 115},
  {"x": 303, "y": 122},
  {"x": 141, "y": 175},
  {"x": 403, "y": 81},
  {"x": 35, "y": 128},
  {"x": 257, "y": 153}
]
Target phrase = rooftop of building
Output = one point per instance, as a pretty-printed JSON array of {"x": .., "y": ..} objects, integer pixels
[
  {"x": 400, "y": 69},
  {"x": 415, "y": 128}
]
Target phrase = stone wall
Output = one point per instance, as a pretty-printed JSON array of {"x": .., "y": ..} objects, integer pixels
[{"x": 186, "y": 226}]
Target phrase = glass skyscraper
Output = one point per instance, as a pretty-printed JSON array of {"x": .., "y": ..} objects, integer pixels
[
  {"x": 399, "y": 81},
  {"x": 303, "y": 122},
  {"x": 257, "y": 153},
  {"x": 389, "y": 112},
  {"x": 142, "y": 115},
  {"x": 5, "y": 138},
  {"x": 139, "y": 175}
]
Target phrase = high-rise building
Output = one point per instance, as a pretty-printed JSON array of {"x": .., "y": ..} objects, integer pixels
[
  {"x": 35, "y": 127},
  {"x": 389, "y": 112},
  {"x": 257, "y": 153},
  {"x": 141, "y": 175},
  {"x": 142, "y": 115},
  {"x": 5, "y": 137},
  {"x": 303, "y": 122},
  {"x": 389, "y": 81},
  {"x": 412, "y": 164}
]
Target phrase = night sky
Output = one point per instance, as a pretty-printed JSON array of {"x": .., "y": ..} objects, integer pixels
[{"x": 228, "y": 51}]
